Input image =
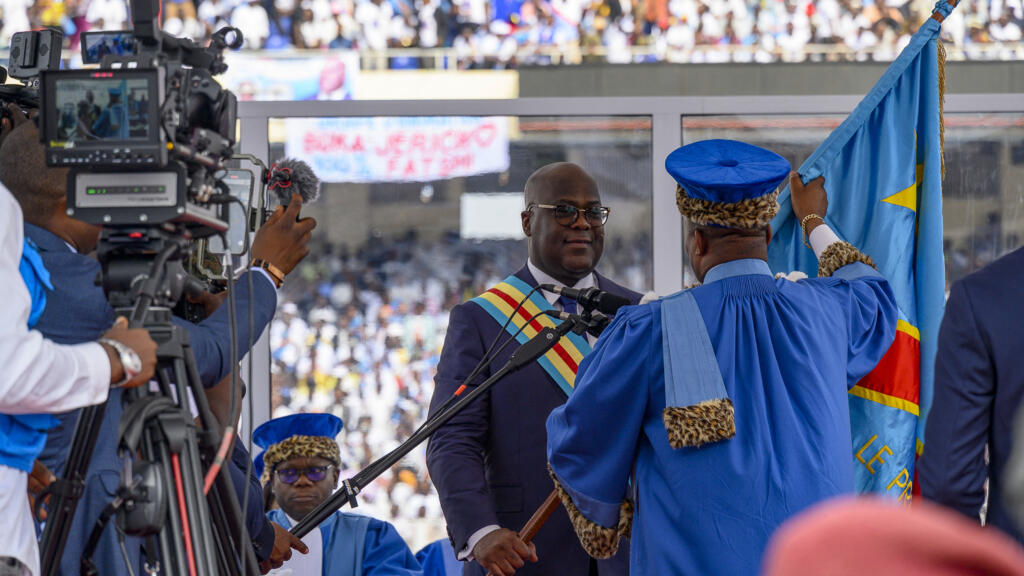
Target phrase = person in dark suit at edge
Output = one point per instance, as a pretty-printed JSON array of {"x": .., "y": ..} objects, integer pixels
[
  {"x": 979, "y": 384},
  {"x": 488, "y": 463},
  {"x": 78, "y": 311}
]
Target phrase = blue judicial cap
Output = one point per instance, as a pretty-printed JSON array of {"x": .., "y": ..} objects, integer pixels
[
  {"x": 727, "y": 183},
  {"x": 280, "y": 429},
  {"x": 296, "y": 436}
]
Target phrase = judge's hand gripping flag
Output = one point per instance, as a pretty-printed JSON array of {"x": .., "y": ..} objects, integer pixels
[{"x": 883, "y": 173}]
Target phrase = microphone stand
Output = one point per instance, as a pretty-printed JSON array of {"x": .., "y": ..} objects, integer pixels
[{"x": 524, "y": 355}]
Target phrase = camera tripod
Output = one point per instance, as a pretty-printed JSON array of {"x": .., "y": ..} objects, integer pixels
[{"x": 161, "y": 495}]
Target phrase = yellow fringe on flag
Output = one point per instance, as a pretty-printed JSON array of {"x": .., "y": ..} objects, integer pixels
[{"x": 940, "y": 49}]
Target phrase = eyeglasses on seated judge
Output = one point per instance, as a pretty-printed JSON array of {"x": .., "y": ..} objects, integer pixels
[
  {"x": 314, "y": 474},
  {"x": 567, "y": 214}
]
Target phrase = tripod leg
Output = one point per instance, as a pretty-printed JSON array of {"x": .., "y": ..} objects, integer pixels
[
  {"x": 191, "y": 471},
  {"x": 233, "y": 515},
  {"x": 225, "y": 544},
  {"x": 55, "y": 535},
  {"x": 170, "y": 540}
]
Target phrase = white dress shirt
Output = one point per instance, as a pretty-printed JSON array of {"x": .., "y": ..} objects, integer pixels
[
  {"x": 37, "y": 376},
  {"x": 588, "y": 281}
]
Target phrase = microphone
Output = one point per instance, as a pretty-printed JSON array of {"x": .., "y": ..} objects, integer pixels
[
  {"x": 292, "y": 176},
  {"x": 590, "y": 298},
  {"x": 598, "y": 321}
]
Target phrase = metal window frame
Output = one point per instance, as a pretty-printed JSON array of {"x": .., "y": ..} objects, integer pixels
[{"x": 666, "y": 115}]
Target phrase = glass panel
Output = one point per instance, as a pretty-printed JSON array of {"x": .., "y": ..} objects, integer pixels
[
  {"x": 983, "y": 193},
  {"x": 415, "y": 216}
]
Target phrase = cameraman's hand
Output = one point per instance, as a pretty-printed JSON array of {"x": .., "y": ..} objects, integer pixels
[
  {"x": 810, "y": 199},
  {"x": 282, "y": 240},
  {"x": 210, "y": 301},
  {"x": 137, "y": 339},
  {"x": 284, "y": 542},
  {"x": 39, "y": 480},
  {"x": 13, "y": 117}
]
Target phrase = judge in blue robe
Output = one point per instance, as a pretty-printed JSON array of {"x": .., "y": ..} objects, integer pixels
[
  {"x": 300, "y": 465},
  {"x": 704, "y": 420}
]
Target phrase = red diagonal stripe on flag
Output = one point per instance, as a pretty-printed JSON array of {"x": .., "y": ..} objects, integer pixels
[{"x": 899, "y": 372}]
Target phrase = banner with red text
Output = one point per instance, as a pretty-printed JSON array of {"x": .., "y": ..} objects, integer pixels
[{"x": 399, "y": 149}]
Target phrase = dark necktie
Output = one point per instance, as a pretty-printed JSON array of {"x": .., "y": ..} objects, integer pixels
[{"x": 568, "y": 304}]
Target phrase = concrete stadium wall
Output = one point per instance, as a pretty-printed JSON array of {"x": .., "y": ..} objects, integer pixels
[{"x": 750, "y": 79}]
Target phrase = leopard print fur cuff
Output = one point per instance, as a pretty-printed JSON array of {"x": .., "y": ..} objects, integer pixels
[
  {"x": 700, "y": 424},
  {"x": 839, "y": 254},
  {"x": 598, "y": 541}
]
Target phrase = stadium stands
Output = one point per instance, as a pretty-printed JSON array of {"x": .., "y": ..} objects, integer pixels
[{"x": 510, "y": 33}]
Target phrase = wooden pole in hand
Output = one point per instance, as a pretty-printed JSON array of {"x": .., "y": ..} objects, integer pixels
[{"x": 532, "y": 526}]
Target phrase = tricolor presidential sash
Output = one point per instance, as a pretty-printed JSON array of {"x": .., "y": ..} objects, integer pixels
[{"x": 563, "y": 360}]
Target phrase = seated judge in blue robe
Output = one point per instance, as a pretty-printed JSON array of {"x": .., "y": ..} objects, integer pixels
[
  {"x": 300, "y": 467},
  {"x": 709, "y": 417}
]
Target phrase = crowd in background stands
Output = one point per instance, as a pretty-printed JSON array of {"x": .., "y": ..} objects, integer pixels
[
  {"x": 508, "y": 33},
  {"x": 359, "y": 334}
]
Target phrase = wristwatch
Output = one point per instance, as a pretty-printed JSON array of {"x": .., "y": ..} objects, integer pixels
[
  {"x": 274, "y": 272},
  {"x": 130, "y": 361}
]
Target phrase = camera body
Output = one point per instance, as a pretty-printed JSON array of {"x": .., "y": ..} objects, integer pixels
[
  {"x": 146, "y": 135},
  {"x": 32, "y": 52}
]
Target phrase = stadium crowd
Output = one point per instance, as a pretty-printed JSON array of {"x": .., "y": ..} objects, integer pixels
[
  {"x": 359, "y": 334},
  {"x": 509, "y": 33}
]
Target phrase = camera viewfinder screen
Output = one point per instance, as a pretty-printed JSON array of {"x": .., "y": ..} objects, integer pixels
[
  {"x": 91, "y": 109},
  {"x": 96, "y": 45}
]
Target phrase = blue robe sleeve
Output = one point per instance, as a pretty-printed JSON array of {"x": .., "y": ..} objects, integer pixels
[
  {"x": 386, "y": 554},
  {"x": 871, "y": 313},
  {"x": 210, "y": 339},
  {"x": 592, "y": 439},
  {"x": 952, "y": 469}
]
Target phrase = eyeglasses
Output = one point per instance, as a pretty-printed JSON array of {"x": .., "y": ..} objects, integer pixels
[
  {"x": 567, "y": 214},
  {"x": 313, "y": 473}
]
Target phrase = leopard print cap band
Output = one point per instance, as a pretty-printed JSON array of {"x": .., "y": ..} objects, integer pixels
[
  {"x": 747, "y": 214},
  {"x": 299, "y": 447}
]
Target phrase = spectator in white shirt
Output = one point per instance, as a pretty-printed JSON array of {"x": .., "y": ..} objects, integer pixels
[
  {"x": 251, "y": 18},
  {"x": 113, "y": 13},
  {"x": 1004, "y": 30}
]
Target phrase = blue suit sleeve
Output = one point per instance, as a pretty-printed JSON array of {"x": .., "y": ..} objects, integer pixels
[
  {"x": 211, "y": 338},
  {"x": 455, "y": 453},
  {"x": 592, "y": 438},
  {"x": 386, "y": 554},
  {"x": 952, "y": 469},
  {"x": 871, "y": 314},
  {"x": 260, "y": 531}
]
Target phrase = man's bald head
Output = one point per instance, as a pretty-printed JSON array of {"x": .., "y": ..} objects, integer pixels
[
  {"x": 546, "y": 182},
  {"x": 566, "y": 251},
  {"x": 38, "y": 189}
]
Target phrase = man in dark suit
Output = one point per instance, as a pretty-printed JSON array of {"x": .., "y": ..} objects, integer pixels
[
  {"x": 78, "y": 311},
  {"x": 489, "y": 463},
  {"x": 979, "y": 383}
]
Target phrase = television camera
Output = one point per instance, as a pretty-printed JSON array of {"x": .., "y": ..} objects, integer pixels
[{"x": 147, "y": 137}]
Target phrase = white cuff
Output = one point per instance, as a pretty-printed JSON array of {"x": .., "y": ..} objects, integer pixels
[
  {"x": 821, "y": 238},
  {"x": 94, "y": 356},
  {"x": 467, "y": 552}
]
